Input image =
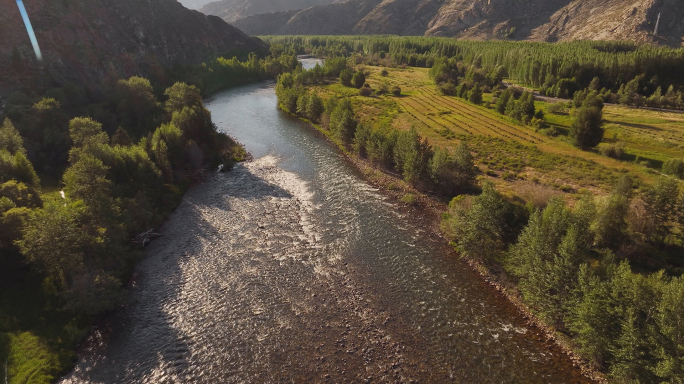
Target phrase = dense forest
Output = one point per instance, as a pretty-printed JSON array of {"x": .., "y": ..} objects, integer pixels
[
  {"x": 570, "y": 263},
  {"x": 626, "y": 73},
  {"x": 83, "y": 172}
]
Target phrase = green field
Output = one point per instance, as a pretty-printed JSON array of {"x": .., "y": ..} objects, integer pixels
[{"x": 518, "y": 158}]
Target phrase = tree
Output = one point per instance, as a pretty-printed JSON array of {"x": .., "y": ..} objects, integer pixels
[
  {"x": 20, "y": 194},
  {"x": 12, "y": 221},
  {"x": 137, "y": 107},
  {"x": 595, "y": 84},
  {"x": 526, "y": 106},
  {"x": 592, "y": 316},
  {"x": 302, "y": 102},
  {"x": 10, "y": 140},
  {"x": 346, "y": 77},
  {"x": 55, "y": 242},
  {"x": 478, "y": 225},
  {"x": 17, "y": 167},
  {"x": 661, "y": 202},
  {"x": 358, "y": 80},
  {"x": 85, "y": 131},
  {"x": 465, "y": 163},
  {"x": 46, "y": 133},
  {"x": 513, "y": 109},
  {"x": 629, "y": 93},
  {"x": 610, "y": 228},
  {"x": 121, "y": 138},
  {"x": 196, "y": 125},
  {"x": 462, "y": 91},
  {"x": 502, "y": 101},
  {"x": 548, "y": 255},
  {"x": 16, "y": 202},
  {"x": 669, "y": 318},
  {"x": 587, "y": 129},
  {"x": 342, "y": 121},
  {"x": 314, "y": 107},
  {"x": 475, "y": 94},
  {"x": 412, "y": 156},
  {"x": 86, "y": 180},
  {"x": 51, "y": 241},
  {"x": 453, "y": 172},
  {"x": 181, "y": 95},
  {"x": 396, "y": 91}
]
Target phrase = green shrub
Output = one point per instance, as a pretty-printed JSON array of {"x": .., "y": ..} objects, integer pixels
[
  {"x": 615, "y": 151},
  {"x": 674, "y": 167},
  {"x": 358, "y": 80},
  {"x": 409, "y": 199},
  {"x": 346, "y": 77},
  {"x": 366, "y": 92}
]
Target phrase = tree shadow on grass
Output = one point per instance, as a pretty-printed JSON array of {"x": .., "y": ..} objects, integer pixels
[{"x": 639, "y": 126}]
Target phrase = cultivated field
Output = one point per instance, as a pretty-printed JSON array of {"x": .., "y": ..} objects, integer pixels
[{"x": 516, "y": 156}]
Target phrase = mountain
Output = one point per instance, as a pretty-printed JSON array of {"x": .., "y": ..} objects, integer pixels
[
  {"x": 232, "y": 10},
  {"x": 547, "y": 20},
  {"x": 84, "y": 40},
  {"x": 194, "y": 4}
]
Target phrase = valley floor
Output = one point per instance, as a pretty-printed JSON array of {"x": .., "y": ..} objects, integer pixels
[{"x": 521, "y": 160}]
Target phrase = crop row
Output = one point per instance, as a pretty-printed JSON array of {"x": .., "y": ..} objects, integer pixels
[{"x": 492, "y": 122}]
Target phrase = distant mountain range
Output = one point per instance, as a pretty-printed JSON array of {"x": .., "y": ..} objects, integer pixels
[
  {"x": 195, "y": 4},
  {"x": 84, "y": 40},
  {"x": 232, "y": 10},
  {"x": 542, "y": 20}
]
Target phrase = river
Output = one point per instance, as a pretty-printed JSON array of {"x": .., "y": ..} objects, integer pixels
[{"x": 291, "y": 268}]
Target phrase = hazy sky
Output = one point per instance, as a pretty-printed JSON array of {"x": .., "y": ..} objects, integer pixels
[{"x": 195, "y": 4}]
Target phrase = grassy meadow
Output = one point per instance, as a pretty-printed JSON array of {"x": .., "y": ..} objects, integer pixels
[{"x": 522, "y": 161}]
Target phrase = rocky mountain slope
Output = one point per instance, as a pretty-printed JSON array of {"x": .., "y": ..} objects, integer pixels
[
  {"x": 232, "y": 10},
  {"x": 85, "y": 40},
  {"x": 547, "y": 20}
]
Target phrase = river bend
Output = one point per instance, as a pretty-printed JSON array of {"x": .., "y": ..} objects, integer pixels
[{"x": 291, "y": 269}]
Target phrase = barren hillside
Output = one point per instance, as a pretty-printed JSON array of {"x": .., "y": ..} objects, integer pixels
[{"x": 548, "y": 20}]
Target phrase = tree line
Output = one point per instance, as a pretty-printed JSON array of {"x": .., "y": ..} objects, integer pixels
[
  {"x": 563, "y": 261},
  {"x": 627, "y": 73}
]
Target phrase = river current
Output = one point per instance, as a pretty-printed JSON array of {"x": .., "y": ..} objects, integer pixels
[{"x": 291, "y": 268}]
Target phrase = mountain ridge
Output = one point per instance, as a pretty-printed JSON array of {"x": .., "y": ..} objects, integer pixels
[
  {"x": 233, "y": 10},
  {"x": 551, "y": 20}
]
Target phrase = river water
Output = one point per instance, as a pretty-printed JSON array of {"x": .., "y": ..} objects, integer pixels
[{"x": 292, "y": 269}]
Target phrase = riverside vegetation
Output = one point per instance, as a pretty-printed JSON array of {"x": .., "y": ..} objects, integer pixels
[
  {"x": 578, "y": 206},
  {"x": 82, "y": 172}
]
